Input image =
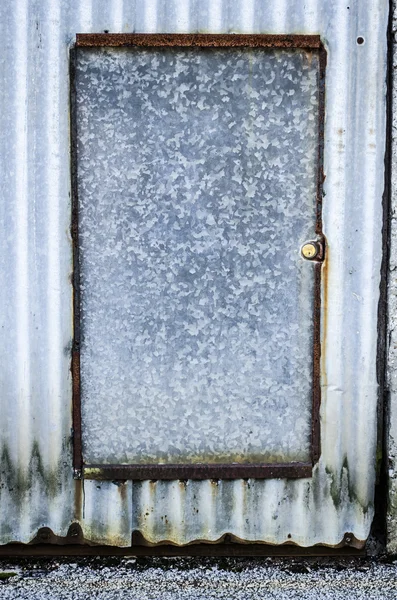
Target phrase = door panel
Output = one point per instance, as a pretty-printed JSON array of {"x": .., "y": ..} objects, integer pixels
[{"x": 197, "y": 181}]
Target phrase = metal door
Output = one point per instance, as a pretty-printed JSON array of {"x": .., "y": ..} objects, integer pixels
[{"x": 198, "y": 181}]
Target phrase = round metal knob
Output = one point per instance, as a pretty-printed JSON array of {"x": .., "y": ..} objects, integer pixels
[{"x": 310, "y": 250}]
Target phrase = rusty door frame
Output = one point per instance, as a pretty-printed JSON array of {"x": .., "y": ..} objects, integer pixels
[{"x": 197, "y": 471}]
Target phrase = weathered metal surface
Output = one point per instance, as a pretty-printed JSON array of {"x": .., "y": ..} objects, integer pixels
[
  {"x": 205, "y": 471},
  {"x": 54, "y": 546},
  {"x": 197, "y": 313},
  {"x": 205, "y": 40},
  {"x": 37, "y": 489}
]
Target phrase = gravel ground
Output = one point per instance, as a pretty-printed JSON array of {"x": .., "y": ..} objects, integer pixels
[{"x": 172, "y": 579}]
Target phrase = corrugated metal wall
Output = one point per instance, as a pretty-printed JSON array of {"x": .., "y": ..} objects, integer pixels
[{"x": 37, "y": 487}]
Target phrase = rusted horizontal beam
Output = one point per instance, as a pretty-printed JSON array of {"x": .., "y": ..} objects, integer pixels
[
  {"x": 199, "y": 39},
  {"x": 169, "y": 472},
  {"x": 223, "y": 550}
]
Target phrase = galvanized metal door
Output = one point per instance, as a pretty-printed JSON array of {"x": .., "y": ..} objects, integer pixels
[{"x": 198, "y": 180}]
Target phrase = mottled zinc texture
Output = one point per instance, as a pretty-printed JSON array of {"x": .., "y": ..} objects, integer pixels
[{"x": 197, "y": 186}]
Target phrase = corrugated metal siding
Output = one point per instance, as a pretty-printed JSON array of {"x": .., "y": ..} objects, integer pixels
[{"x": 37, "y": 488}]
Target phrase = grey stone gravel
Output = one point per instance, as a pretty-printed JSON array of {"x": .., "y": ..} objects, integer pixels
[{"x": 169, "y": 579}]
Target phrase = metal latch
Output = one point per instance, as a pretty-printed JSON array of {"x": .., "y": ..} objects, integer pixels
[{"x": 313, "y": 250}]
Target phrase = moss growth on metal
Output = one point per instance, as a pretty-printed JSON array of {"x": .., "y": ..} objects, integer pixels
[
  {"x": 19, "y": 481},
  {"x": 340, "y": 483},
  {"x": 4, "y": 575}
]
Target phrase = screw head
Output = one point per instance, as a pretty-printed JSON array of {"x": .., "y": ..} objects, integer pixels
[{"x": 310, "y": 250}]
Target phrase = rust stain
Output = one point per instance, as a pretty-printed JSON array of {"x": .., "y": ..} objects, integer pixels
[
  {"x": 239, "y": 546},
  {"x": 316, "y": 364},
  {"x": 199, "y": 39},
  {"x": 75, "y": 364},
  {"x": 198, "y": 471},
  {"x": 229, "y": 539},
  {"x": 316, "y": 371},
  {"x": 77, "y": 449},
  {"x": 74, "y": 536},
  {"x": 78, "y": 499},
  {"x": 324, "y": 315},
  {"x": 140, "y": 547},
  {"x": 321, "y": 128}
]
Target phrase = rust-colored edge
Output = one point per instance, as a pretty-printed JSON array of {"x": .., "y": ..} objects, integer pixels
[
  {"x": 206, "y": 40},
  {"x": 200, "y": 472},
  {"x": 316, "y": 389},
  {"x": 46, "y": 542},
  {"x": 205, "y": 550},
  {"x": 318, "y": 268},
  {"x": 75, "y": 366}
]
